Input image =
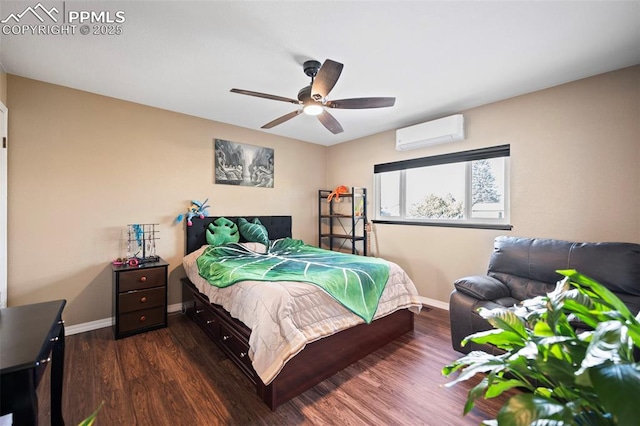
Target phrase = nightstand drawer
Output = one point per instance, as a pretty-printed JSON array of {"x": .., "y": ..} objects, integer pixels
[
  {"x": 141, "y": 319},
  {"x": 143, "y": 278},
  {"x": 142, "y": 299}
]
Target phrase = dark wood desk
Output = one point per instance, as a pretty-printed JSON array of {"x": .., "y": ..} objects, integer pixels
[{"x": 31, "y": 336}]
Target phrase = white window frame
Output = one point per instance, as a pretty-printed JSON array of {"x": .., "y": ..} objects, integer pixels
[{"x": 502, "y": 151}]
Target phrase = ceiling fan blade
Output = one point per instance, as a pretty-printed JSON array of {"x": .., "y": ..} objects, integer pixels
[
  {"x": 282, "y": 119},
  {"x": 325, "y": 80},
  {"x": 265, "y": 95},
  {"x": 330, "y": 123},
  {"x": 361, "y": 103}
]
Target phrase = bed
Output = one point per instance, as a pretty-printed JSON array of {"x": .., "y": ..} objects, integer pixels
[{"x": 310, "y": 353}]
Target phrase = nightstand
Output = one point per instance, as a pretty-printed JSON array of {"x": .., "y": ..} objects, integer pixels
[{"x": 139, "y": 298}]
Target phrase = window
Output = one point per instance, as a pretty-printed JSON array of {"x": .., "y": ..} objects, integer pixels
[{"x": 462, "y": 189}]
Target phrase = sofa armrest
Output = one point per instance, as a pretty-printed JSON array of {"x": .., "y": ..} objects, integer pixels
[
  {"x": 482, "y": 287},
  {"x": 465, "y": 321}
]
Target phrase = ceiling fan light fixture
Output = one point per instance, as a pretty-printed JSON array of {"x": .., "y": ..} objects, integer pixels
[
  {"x": 313, "y": 109},
  {"x": 312, "y": 99}
]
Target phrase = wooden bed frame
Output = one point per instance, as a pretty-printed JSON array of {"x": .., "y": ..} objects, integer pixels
[{"x": 318, "y": 361}]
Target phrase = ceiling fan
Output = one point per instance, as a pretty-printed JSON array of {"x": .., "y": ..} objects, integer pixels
[{"x": 313, "y": 98}]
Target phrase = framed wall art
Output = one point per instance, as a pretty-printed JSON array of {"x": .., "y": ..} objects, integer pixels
[{"x": 243, "y": 165}]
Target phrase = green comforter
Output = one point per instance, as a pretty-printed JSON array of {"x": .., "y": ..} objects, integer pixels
[{"x": 356, "y": 282}]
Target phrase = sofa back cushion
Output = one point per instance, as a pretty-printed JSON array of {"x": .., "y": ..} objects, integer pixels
[
  {"x": 614, "y": 265},
  {"x": 527, "y": 265}
]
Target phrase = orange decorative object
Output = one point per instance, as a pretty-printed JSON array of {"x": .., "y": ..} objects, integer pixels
[{"x": 336, "y": 193}]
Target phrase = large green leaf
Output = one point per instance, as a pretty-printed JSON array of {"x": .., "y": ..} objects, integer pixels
[
  {"x": 472, "y": 363},
  {"x": 499, "y": 386},
  {"x": 500, "y": 338},
  {"x": 597, "y": 291},
  {"x": 618, "y": 386},
  {"x": 526, "y": 408},
  {"x": 585, "y": 314},
  {"x": 356, "y": 282},
  {"x": 599, "y": 297},
  {"x": 476, "y": 392},
  {"x": 634, "y": 333},
  {"x": 542, "y": 328},
  {"x": 593, "y": 418},
  {"x": 575, "y": 296},
  {"x": 504, "y": 319},
  {"x": 557, "y": 370},
  {"x": 605, "y": 345},
  {"x": 554, "y": 316},
  {"x": 89, "y": 421}
]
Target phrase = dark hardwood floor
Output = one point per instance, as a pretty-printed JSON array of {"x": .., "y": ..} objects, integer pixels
[{"x": 177, "y": 376}]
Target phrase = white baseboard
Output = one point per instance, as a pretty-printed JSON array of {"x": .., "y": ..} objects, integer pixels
[
  {"x": 176, "y": 307},
  {"x": 434, "y": 303},
  {"x": 88, "y": 326},
  {"x": 106, "y": 322}
]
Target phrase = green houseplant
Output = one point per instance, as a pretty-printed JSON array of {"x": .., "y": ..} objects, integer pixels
[
  {"x": 89, "y": 421},
  {"x": 572, "y": 351}
]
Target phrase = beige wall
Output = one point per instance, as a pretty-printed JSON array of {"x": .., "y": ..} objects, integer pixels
[
  {"x": 575, "y": 175},
  {"x": 83, "y": 166}
]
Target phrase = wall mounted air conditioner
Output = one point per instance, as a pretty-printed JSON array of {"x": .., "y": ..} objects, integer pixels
[{"x": 448, "y": 129}]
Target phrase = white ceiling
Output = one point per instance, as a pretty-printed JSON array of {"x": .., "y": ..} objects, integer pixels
[{"x": 435, "y": 57}]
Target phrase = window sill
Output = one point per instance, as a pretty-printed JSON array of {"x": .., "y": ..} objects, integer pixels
[{"x": 502, "y": 227}]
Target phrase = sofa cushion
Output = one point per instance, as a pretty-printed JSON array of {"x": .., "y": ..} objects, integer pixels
[
  {"x": 523, "y": 288},
  {"x": 507, "y": 302},
  {"x": 531, "y": 258},
  {"x": 614, "y": 265}
]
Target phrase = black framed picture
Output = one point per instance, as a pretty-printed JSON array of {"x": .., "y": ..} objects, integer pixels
[{"x": 243, "y": 165}]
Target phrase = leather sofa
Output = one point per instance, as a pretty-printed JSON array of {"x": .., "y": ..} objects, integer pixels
[{"x": 521, "y": 268}]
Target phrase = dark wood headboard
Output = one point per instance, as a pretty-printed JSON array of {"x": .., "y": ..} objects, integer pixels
[{"x": 277, "y": 227}]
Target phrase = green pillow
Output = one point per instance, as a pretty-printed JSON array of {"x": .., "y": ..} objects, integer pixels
[
  {"x": 254, "y": 231},
  {"x": 222, "y": 231}
]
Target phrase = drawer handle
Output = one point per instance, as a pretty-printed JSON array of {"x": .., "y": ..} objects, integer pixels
[
  {"x": 143, "y": 318},
  {"x": 43, "y": 361},
  {"x": 54, "y": 339},
  {"x": 143, "y": 299},
  {"x": 243, "y": 354},
  {"x": 226, "y": 337},
  {"x": 199, "y": 311},
  {"x": 143, "y": 278},
  {"x": 210, "y": 321}
]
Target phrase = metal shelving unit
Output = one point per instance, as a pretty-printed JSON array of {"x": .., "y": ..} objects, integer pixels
[{"x": 342, "y": 225}]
